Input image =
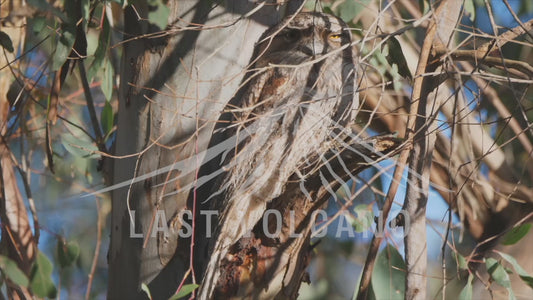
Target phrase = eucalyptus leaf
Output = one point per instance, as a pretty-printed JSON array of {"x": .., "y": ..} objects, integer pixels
[
  {"x": 516, "y": 234},
  {"x": 41, "y": 283},
  {"x": 528, "y": 279},
  {"x": 67, "y": 253},
  {"x": 101, "y": 50},
  {"x": 462, "y": 264},
  {"x": 107, "y": 80},
  {"x": 85, "y": 9},
  {"x": 350, "y": 9},
  {"x": 364, "y": 218},
  {"x": 79, "y": 147},
  {"x": 106, "y": 118},
  {"x": 395, "y": 57},
  {"x": 65, "y": 42},
  {"x": 159, "y": 15},
  {"x": 39, "y": 24},
  {"x": 388, "y": 277},
  {"x": 146, "y": 290},
  {"x": 424, "y": 6},
  {"x": 43, "y": 5},
  {"x": 497, "y": 272},
  {"x": 467, "y": 291},
  {"x": 470, "y": 9},
  {"x": 5, "y": 42},
  {"x": 10, "y": 270},
  {"x": 184, "y": 291},
  {"x": 526, "y": 7}
]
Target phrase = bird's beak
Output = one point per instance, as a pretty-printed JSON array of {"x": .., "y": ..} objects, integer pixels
[{"x": 312, "y": 46}]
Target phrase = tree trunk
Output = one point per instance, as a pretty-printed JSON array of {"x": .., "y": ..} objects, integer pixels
[{"x": 171, "y": 93}]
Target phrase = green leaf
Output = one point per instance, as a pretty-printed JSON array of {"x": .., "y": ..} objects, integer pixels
[
  {"x": 41, "y": 283},
  {"x": 66, "y": 39},
  {"x": 106, "y": 118},
  {"x": 526, "y": 7},
  {"x": 528, "y": 279},
  {"x": 67, "y": 253},
  {"x": 43, "y": 5},
  {"x": 184, "y": 291},
  {"x": 461, "y": 261},
  {"x": 107, "y": 80},
  {"x": 497, "y": 272},
  {"x": 70, "y": 8},
  {"x": 364, "y": 218},
  {"x": 466, "y": 292},
  {"x": 396, "y": 57},
  {"x": 146, "y": 290},
  {"x": 516, "y": 234},
  {"x": 511, "y": 294},
  {"x": 39, "y": 23},
  {"x": 350, "y": 9},
  {"x": 388, "y": 277},
  {"x": 327, "y": 9},
  {"x": 101, "y": 51},
  {"x": 10, "y": 270},
  {"x": 5, "y": 42},
  {"x": 470, "y": 9},
  {"x": 480, "y": 3},
  {"x": 379, "y": 61},
  {"x": 159, "y": 14},
  {"x": 79, "y": 147},
  {"x": 424, "y": 6},
  {"x": 85, "y": 9}
]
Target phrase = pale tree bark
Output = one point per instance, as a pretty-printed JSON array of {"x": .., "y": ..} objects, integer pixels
[
  {"x": 423, "y": 133},
  {"x": 171, "y": 93}
]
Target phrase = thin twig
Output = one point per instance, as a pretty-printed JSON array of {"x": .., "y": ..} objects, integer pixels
[
  {"x": 25, "y": 53},
  {"x": 100, "y": 143},
  {"x": 509, "y": 35},
  {"x": 526, "y": 27},
  {"x": 482, "y": 53},
  {"x": 366, "y": 276},
  {"x": 25, "y": 177},
  {"x": 480, "y": 57},
  {"x": 492, "y": 96},
  {"x": 97, "y": 248}
]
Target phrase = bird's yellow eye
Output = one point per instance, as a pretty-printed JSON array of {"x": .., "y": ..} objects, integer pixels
[{"x": 336, "y": 37}]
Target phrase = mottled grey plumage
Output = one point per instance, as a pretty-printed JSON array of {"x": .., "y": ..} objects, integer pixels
[{"x": 299, "y": 94}]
